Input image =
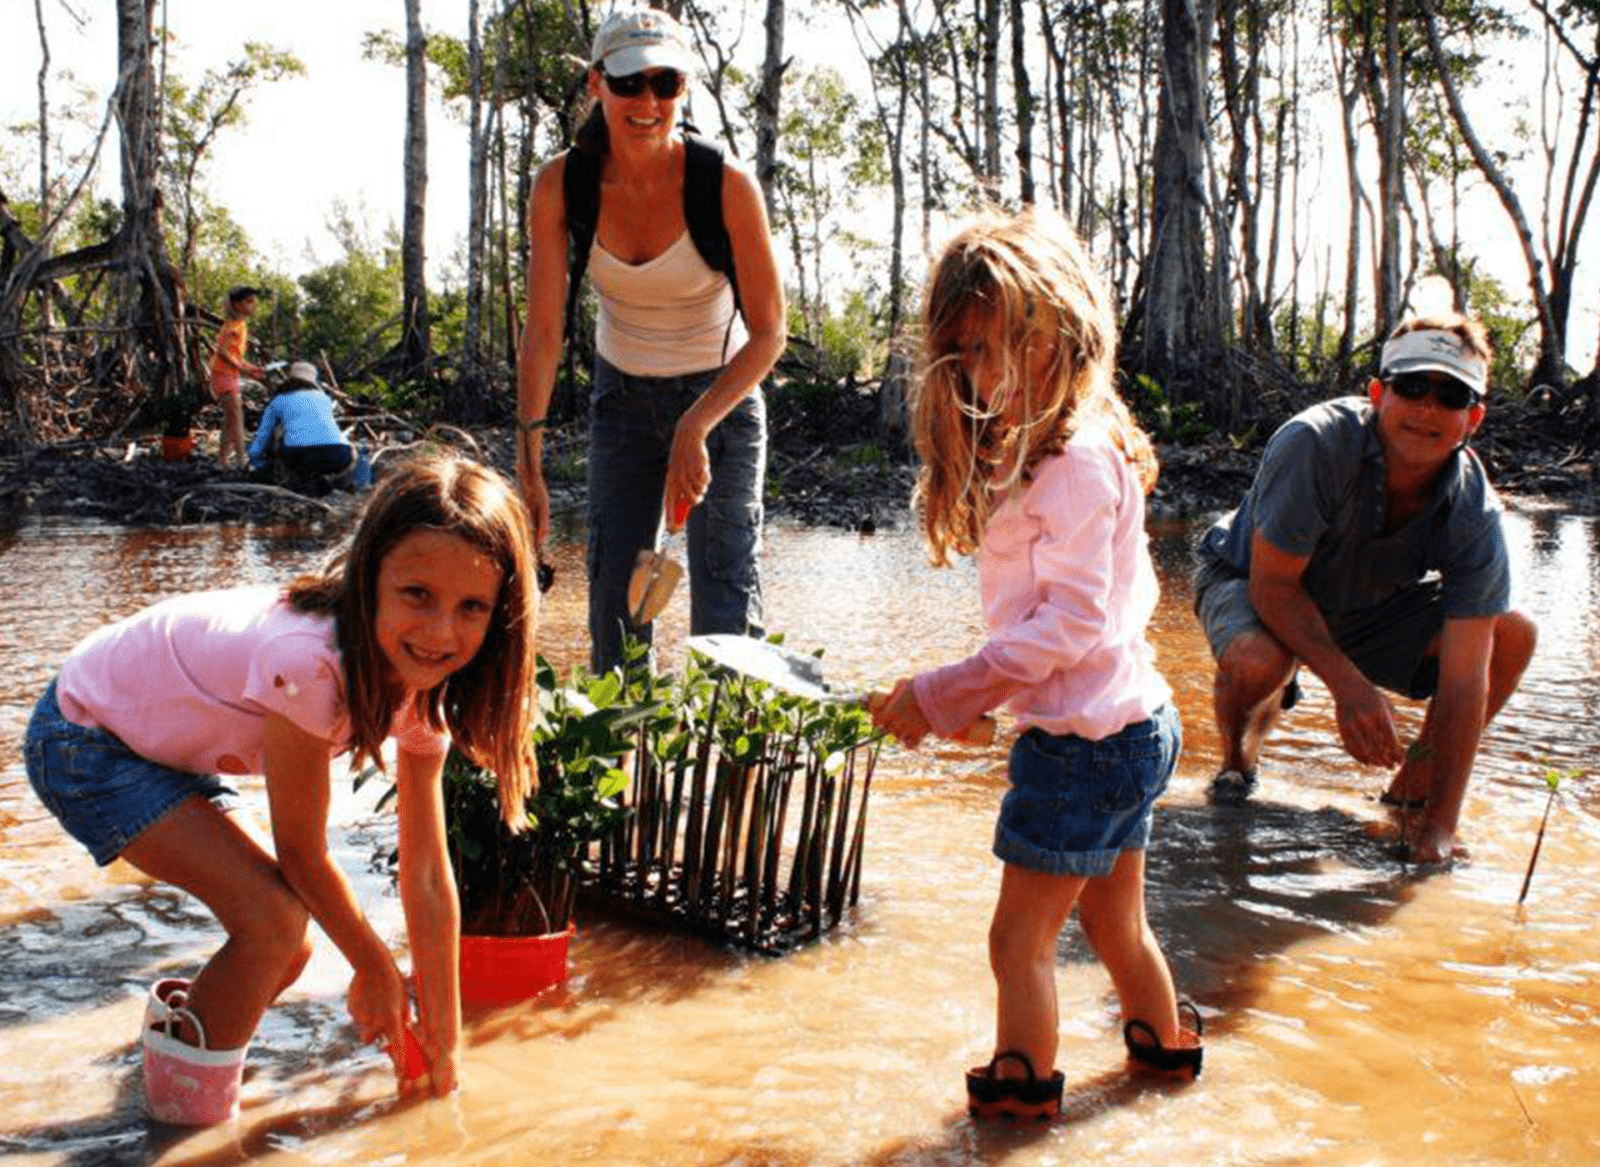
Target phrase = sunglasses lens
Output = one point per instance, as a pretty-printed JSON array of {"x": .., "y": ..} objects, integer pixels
[
  {"x": 627, "y": 85},
  {"x": 666, "y": 84},
  {"x": 1448, "y": 392}
]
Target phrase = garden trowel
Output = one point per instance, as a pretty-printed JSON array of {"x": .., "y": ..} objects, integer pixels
[
  {"x": 801, "y": 674},
  {"x": 655, "y": 575}
]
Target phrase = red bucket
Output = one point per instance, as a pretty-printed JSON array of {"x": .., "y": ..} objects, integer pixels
[{"x": 501, "y": 970}]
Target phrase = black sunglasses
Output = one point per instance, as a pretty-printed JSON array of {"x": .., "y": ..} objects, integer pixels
[
  {"x": 545, "y": 574},
  {"x": 665, "y": 84},
  {"x": 1447, "y": 391}
]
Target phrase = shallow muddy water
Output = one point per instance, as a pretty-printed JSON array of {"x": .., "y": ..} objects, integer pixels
[{"x": 1358, "y": 1012}]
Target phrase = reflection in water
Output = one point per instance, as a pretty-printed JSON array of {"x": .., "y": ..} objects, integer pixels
[{"x": 1358, "y": 1012}]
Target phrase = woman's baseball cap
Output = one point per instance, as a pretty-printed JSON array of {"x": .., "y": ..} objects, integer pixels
[
  {"x": 632, "y": 40},
  {"x": 302, "y": 373}
]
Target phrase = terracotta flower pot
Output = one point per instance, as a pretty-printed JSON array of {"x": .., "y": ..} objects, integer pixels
[
  {"x": 501, "y": 970},
  {"x": 176, "y": 449}
]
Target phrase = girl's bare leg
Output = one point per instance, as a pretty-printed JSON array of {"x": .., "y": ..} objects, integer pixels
[
  {"x": 232, "y": 430},
  {"x": 200, "y": 849},
  {"x": 1028, "y": 918},
  {"x": 1111, "y": 911}
]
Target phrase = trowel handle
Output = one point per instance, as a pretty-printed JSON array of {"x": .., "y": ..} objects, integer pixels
[
  {"x": 680, "y": 513},
  {"x": 980, "y": 733}
]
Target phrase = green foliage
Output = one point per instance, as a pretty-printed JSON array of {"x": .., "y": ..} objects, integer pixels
[
  {"x": 713, "y": 758},
  {"x": 175, "y": 412},
  {"x": 352, "y": 305},
  {"x": 865, "y": 454},
  {"x": 1161, "y": 419},
  {"x": 842, "y": 342},
  {"x": 1313, "y": 332},
  {"x": 404, "y": 398},
  {"x": 524, "y": 883}
]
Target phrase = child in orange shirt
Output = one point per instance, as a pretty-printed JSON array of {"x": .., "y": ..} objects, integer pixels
[{"x": 227, "y": 363}]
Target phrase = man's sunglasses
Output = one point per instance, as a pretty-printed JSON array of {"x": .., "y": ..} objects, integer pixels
[
  {"x": 1447, "y": 391},
  {"x": 665, "y": 84}
]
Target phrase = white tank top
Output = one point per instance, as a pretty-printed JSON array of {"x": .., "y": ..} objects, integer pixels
[{"x": 665, "y": 317}]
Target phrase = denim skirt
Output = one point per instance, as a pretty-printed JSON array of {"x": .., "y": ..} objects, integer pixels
[
  {"x": 103, "y": 793},
  {"x": 1074, "y": 805}
]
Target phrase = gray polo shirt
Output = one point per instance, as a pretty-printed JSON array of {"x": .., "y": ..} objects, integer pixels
[{"x": 1319, "y": 493}]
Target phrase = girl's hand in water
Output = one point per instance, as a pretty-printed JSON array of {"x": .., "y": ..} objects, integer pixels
[
  {"x": 430, "y": 1066},
  {"x": 900, "y": 714},
  {"x": 380, "y": 1005}
]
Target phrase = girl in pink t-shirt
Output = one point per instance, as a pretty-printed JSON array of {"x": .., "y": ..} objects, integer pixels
[
  {"x": 1032, "y": 461},
  {"x": 421, "y": 630}
]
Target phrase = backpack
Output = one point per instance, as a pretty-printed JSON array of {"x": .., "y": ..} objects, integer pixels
[{"x": 702, "y": 209}]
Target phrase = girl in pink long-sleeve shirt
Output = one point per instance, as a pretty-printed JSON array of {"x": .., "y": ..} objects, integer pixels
[{"x": 1032, "y": 461}]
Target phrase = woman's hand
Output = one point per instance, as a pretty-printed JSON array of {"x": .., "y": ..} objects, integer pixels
[
  {"x": 900, "y": 714},
  {"x": 535, "y": 494},
  {"x": 689, "y": 465}
]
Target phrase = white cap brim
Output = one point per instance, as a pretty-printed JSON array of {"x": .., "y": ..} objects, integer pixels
[{"x": 1433, "y": 350}]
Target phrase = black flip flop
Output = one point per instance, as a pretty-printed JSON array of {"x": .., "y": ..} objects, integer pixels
[
  {"x": 1146, "y": 1053},
  {"x": 1028, "y": 1098}
]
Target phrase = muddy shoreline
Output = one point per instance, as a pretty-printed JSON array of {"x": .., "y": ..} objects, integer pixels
[{"x": 1532, "y": 459}]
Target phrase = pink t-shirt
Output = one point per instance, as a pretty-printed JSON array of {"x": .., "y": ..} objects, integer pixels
[
  {"x": 1068, "y": 588},
  {"x": 188, "y": 682}
]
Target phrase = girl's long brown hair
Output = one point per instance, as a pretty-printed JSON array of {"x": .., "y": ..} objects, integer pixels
[
  {"x": 485, "y": 703},
  {"x": 1031, "y": 274}
]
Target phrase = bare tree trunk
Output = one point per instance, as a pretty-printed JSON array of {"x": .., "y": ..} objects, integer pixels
[
  {"x": 1241, "y": 90},
  {"x": 1391, "y": 171},
  {"x": 44, "y": 135},
  {"x": 925, "y": 131},
  {"x": 1176, "y": 345},
  {"x": 1349, "y": 95},
  {"x": 768, "y": 97},
  {"x": 990, "y": 32},
  {"x": 1550, "y": 367},
  {"x": 477, "y": 198},
  {"x": 149, "y": 295},
  {"x": 415, "y": 348},
  {"x": 1022, "y": 94}
]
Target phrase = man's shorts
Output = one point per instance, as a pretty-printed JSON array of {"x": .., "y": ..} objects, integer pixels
[{"x": 1388, "y": 642}]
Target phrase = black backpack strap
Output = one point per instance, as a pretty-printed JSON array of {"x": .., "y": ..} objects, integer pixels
[
  {"x": 702, "y": 208},
  {"x": 580, "y": 190}
]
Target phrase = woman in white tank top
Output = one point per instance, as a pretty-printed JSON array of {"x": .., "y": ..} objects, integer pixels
[{"x": 677, "y": 422}]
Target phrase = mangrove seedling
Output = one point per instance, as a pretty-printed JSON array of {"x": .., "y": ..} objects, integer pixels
[{"x": 1552, "y": 779}]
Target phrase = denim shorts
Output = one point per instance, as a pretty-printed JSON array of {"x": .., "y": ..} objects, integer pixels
[
  {"x": 1075, "y": 805},
  {"x": 1388, "y": 642},
  {"x": 103, "y": 793}
]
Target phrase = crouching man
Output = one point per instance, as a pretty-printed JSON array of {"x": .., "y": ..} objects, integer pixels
[{"x": 1369, "y": 549}]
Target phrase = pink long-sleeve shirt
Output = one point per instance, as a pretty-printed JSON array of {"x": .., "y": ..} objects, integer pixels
[
  {"x": 1068, "y": 589},
  {"x": 188, "y": 682}
]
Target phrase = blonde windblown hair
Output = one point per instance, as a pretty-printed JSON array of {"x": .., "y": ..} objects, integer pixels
[{"x": 1030, "y": 274}]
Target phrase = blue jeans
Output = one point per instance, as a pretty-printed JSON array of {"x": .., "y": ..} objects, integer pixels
[
  {"x": 1075, "y": 804},
  {"x": 631, "y": 423}
]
